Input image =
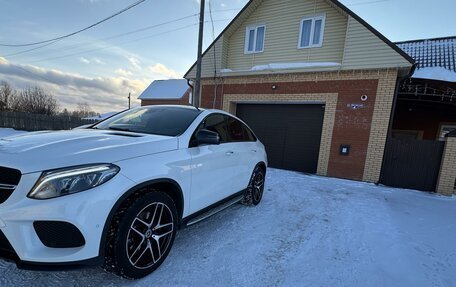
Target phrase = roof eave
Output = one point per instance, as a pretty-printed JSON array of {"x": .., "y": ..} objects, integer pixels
[
  {"x": 338, "y": 4},
  {"x": 373, "y": 30}
]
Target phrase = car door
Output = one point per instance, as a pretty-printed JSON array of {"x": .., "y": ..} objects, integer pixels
[
  {"x": 242, "y": 143},
  {"x": 213, "y": 166}
]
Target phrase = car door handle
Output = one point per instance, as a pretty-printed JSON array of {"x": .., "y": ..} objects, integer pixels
[
  {"x": 229, "y": 153},
  {"x": 254, "y": 150}
]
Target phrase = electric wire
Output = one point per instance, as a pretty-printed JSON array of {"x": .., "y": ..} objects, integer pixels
[
  {"x": 78, "y": 31},
  {"x": 70, "y": 47},
  {"x": 66, "y": 48}
]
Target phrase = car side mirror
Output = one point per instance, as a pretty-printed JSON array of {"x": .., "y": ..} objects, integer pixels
[{"x": 207, "y": 137}]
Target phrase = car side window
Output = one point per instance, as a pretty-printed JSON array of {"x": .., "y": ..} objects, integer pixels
[
  {"x": 215, "y": 123},
  {"x": 238, "y": 132}
]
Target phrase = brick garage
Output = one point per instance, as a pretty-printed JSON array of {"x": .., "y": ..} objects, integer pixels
[{"x": 364, "y": 128}]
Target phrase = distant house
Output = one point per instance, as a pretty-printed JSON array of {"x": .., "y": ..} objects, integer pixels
[{"x": 166, "y": 92}]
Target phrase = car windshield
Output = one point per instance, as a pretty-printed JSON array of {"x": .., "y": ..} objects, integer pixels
[{"x": 157, "y": 120}]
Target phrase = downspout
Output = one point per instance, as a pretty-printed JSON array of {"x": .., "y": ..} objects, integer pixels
[
  {"x": 190, "y": 97},
  {"x": 393, "y": 113}
]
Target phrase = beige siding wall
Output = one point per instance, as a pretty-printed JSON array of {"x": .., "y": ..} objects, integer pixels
[
  {"x": 364, "y": 49},
  {"x": 282, "y": 20},
  {"x": 345, "y": 41},
  {"x": 207, "y": 70}
]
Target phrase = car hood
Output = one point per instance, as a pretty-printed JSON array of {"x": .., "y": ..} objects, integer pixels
[{"x": 38, "y": 151}]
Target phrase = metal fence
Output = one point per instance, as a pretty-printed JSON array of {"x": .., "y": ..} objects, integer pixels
[{"x": 35, "y": 122}]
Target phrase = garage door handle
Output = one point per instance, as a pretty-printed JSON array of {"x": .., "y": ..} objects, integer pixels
[{"x": 229, "y": 153}]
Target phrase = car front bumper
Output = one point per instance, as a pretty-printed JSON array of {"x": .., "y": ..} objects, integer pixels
[{"x": 86, "y": 211}]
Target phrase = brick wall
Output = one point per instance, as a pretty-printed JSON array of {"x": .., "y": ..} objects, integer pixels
[
  {"x": 364, "y": 128},
  {"x": 447, "y": 176}
]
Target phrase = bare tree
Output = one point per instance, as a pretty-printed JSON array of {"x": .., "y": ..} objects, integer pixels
[
  {"x": 84, "y": 111},
  {"x": 35, "y": 100},
  {"x": 6, "y": 95}
]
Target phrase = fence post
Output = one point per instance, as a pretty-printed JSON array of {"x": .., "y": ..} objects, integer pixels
[{"x": 446, "y": 183}]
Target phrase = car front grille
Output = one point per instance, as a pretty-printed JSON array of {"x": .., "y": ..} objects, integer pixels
[{"x": 9, "y": 179}]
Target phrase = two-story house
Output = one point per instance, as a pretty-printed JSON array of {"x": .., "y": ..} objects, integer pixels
[{"x": 314, "y": 81}]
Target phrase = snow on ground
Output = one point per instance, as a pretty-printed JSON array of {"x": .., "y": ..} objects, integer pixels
[
  {"x": 307, "y": 231},
  {"x": 6, "y": 132}
]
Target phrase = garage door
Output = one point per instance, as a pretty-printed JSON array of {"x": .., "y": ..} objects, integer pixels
[{"x": 291, "y": 133}]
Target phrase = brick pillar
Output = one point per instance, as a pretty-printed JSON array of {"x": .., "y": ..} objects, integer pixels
[{"x": 447, "y": 176}]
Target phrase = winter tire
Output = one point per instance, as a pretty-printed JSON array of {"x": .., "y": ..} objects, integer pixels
[
  {"x": 144, "y": 237},
  {"x": 255, "y": 188}
]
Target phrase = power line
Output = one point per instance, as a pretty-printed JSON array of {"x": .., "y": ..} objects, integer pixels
[
  {"x": 215, "y": 57},
  {"x": 123, "y": 43},
  {"x": 29, "y": 50},
  {"x": 66, "y": 48},
  {"x": 111, "y": 46},
  {"x": 78, "y": 31},
  {"x": 107, "y": 38}
]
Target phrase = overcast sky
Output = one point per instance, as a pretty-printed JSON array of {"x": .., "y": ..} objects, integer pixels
[{"x": 102, "y": 65}]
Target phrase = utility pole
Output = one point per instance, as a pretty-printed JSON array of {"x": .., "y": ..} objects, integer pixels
[
  {"x": 197, "y": 87},
  {"x": 129, "y": 100}
]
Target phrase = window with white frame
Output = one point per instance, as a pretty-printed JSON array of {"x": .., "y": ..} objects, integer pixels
[
  {"x": 311, "y": 32},
  {"x": 254, "y": 39}
]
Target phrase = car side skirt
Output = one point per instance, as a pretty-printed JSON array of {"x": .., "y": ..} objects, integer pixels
[{"x": 185, "y": 221}]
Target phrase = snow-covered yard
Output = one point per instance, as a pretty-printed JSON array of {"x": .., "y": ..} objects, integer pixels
[
  {"x": 308, "y": 231},
  {"x": 6, "y": 132}
]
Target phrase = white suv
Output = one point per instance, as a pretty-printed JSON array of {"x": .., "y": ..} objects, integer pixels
[{"x": 115, "y": 193}]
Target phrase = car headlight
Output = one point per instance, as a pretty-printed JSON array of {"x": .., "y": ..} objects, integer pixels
[{"x": 61, "y": 182}]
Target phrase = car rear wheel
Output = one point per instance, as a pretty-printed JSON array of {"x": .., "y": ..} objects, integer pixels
[
  {"x": 255, "y": 188},
  {"x": 144, "y": 236}
]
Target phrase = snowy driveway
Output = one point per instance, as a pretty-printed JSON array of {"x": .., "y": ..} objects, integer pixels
[{"x": 308, "y": 231}]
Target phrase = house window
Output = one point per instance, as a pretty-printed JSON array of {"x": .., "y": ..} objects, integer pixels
[
  {"x": 254, "y": 39},
  {"x": 445, "y": 129},
  {"x": 311, "y": 32}
]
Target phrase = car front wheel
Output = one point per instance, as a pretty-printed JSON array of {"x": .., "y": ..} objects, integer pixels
[
  {"x": 144, "y": 236},
  {"x": 255, "y": 188}
]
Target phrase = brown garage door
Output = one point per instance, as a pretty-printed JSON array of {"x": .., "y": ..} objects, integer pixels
[{"x": 291, "y": 133}]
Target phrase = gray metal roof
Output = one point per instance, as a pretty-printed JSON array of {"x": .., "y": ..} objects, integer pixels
[
  {"x": 173, "y": 89},
  {"x": 438, "y": 52}
]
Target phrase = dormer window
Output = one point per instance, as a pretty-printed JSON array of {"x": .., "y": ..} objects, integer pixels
[
  {"x": 254, "y": 39},
  {"x": 311, "y": 32}
]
